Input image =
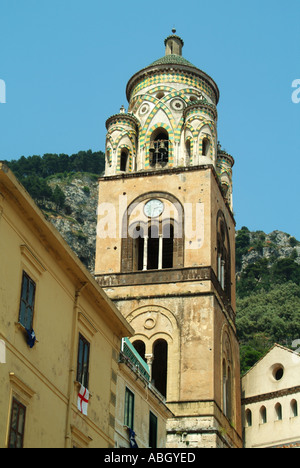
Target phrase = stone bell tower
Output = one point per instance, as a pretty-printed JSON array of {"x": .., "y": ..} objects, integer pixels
[{"x": 165, "y": 249}]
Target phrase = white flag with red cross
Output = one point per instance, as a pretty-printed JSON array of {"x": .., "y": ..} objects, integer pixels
[{"x": 83, "y": 400}]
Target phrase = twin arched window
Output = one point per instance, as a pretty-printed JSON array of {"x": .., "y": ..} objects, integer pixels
[
  {"x": 150, "y": 241},
  {"x": 158, "y": 364}
]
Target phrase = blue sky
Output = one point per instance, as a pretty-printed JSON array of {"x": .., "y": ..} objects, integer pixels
[{"x": 66, "y": 64}]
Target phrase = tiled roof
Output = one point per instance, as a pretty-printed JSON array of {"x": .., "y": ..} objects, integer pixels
[{"x": 173, "y": 58}]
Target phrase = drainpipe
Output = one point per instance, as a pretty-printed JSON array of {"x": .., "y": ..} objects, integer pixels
[{"x": 72, "y": 373}]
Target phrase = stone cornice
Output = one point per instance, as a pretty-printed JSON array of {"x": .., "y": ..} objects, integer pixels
[
  {"x": 271, "y": 395},
  {"x": 168, "y": 276},
  {"x": 155, "y": 172}
]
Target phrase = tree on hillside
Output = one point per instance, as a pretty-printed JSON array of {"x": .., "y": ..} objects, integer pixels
[
  {"x": 285, "y": 269},
  {"x": 50, "y": 164},
  {"x": 275, "y": 313},
  {"x": 38, "y": 188},
  {"x": 242, "y": 242},
  {"x": 58, "y": 197}
]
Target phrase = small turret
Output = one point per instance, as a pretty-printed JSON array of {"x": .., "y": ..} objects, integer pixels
[{"x": 174, "y": 44}]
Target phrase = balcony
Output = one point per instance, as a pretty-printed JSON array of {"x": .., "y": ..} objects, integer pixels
[{"x": 130, "y": 355}]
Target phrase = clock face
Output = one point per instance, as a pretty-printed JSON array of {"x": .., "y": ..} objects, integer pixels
[{"x": 154, "y": 208}]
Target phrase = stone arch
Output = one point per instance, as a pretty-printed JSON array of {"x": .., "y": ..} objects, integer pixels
[
  {"x": 109, "y": 155},
  {"x": 206, "y": 147},
  {"x": 147, "y": 139},
  {"x": 210, "y": 134},
  {"x": 154, "y": 323},
  {"x": 124, "y": 150},
  {"x": 227, "y": 373},
  {"x": 128, "y": 241},
  {"x": 223, "y": 254}
]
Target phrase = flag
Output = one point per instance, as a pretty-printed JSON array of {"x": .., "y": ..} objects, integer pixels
[
  {"x": 83, "y": 400},
  {"x": 132, "y": 440},
  {"x": 31, "y": 338}
]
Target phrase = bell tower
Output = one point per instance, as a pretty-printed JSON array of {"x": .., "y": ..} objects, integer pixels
[{"x": 165, "y": 251}]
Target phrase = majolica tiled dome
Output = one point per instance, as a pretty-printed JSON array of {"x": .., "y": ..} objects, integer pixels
[{"x": 172, "y": 60}]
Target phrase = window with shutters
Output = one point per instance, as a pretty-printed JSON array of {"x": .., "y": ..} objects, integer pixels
[
  {"x": 129, "y": 409},
  {"x": 17, "y": 425},
  {"x": 27, "y": 301},
  {"x": 83, "y": 361},
  {"x": 152, "y": 430}
]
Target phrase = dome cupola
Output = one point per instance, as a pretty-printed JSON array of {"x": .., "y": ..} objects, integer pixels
[{"x": 171, "y": 120}]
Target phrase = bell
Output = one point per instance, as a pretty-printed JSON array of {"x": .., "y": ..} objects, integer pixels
[
  {"x": 152, "y": 147},
  {"x": 162, "y": 148}
]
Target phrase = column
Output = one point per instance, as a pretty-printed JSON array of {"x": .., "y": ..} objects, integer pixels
[
  {"x": 160, "y": 252},
  {"x": 219, "y": 268},
  {"x": 145, "y": 259},
  {"x": 223, "y": 274},
  {"x": 149, "y": 359}
]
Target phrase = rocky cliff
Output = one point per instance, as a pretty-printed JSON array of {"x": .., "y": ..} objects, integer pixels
[
  {"x": 253, "y": 246},
  {"x": 76, "y": 220}
]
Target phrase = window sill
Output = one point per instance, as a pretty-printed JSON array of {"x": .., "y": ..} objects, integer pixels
[
  {"x": 77, "y": 386},
  {"x": 21, "y": 327}
]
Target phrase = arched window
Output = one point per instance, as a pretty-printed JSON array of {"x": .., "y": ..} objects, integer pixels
[
  {"x": 188, "y": 149},
  {"x": 225, "y": 189},
  {"x": 159, "y": 148},
  {"x": 124, "y": 160},
  {"x": 160, "y": 366},
  {"x": 227, "y": 391},
  {"x": 294, "y": 408},
  {"x": 248, "y": 418},
  {"x": 223, "y": 255},
  {"x": 263, "y": 415},
  {"x": 278, "y": 411},
  {"x": 152, "y": 242},
  {"x": 205, "y": 146},
  {"x": 140, "y": 347}
]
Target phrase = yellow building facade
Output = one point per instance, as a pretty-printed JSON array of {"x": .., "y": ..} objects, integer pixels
[{"x": 77, "y": 335}]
